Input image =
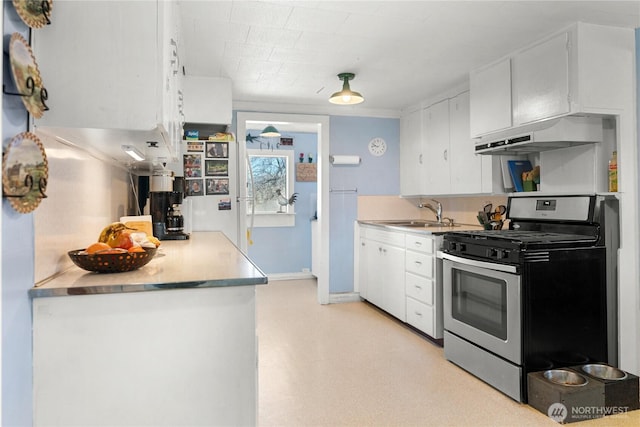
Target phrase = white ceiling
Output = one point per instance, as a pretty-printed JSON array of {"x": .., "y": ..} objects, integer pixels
[{"x": 402, "y": 52}]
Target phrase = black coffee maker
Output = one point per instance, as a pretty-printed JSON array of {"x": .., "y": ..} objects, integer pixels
[{"x": 168, "y": 222}]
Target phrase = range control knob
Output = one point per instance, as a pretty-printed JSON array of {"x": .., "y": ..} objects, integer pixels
[
  {"x": 452, "y": 246},
  {"x": 503, "y": 253},
  {"x": 462, "y": 247},
  {"x": 492, "y": 253}
]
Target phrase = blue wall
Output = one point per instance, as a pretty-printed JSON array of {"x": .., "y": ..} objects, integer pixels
[
  {"x": 288, "y": 249},
  {"x": 17, "y": 264},
  {"x": 374, "y": 176}
]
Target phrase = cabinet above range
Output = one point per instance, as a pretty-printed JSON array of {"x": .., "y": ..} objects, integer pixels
[{"x": 579, "y": 71}]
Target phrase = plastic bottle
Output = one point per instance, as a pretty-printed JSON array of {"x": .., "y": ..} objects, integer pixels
[{"x": 613, "y": 172}]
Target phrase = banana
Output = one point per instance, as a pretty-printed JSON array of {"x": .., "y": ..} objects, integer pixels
[{"x": 110, "y": 232}]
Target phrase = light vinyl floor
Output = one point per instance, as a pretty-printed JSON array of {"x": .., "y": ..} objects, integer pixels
[{"x": 352, "y": 365}]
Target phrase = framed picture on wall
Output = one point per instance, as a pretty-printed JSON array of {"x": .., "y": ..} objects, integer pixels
[
  {"x": 195, "y": 187},
  {"x": 192, "y": 165},
  {"x": 217, "y": 150},
  {"x": 216, "y": 167},
  {"x": 217, "y": 186}
]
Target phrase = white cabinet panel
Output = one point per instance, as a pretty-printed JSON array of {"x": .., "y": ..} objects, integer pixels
[
  {"x": 435, "y": 122},
  {"x": 421, "y": 316},
  {"x": 412, "y": 169},
  {"x": 466, "y": 168},
  {"x": 383, "y": 263},
  {"x": 419, "y": 288},
  {"x": 541, "y": 81},
  {"x": 419, "y": 243},
  {"x": 490, "y": 98},
  {"x": 419, "y": 263}
]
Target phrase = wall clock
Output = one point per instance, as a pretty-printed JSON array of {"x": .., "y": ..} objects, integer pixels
[{"x": 377, "y": 146}]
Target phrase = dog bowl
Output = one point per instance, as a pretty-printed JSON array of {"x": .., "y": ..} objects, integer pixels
[
  {"x": 565, "y": 377},
  {"x": 604, "y": 372}
]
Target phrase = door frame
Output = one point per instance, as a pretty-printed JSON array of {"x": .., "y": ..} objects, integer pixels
[{"x": 311, "y": 123}]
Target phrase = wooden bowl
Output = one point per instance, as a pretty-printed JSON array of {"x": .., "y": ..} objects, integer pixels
[{"x": 111, "y": 263}]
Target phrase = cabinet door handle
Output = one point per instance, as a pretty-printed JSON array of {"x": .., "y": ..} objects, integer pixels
[
  {"x": 445, "y": 154},
  {"x": 418, "y": 287},
  {"x": 417, "y": 243},
  {"x": 420, "y": 159},
  {"x": 418, "y": 263},
  {"x": 418, "y": 314}
]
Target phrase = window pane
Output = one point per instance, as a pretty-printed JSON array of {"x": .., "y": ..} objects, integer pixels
[{"x": 269, "y": 175}]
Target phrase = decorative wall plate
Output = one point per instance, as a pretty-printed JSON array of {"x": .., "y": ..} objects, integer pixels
[
  {"x": 26, "y": 75},
  {"x": 25, "y": 172},
  {"x": 34, "y": 13}
]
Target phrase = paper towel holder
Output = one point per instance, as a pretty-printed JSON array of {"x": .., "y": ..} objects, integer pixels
[{"x": 344, "y": 160}]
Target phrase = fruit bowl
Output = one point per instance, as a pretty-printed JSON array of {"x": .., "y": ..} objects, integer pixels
[{"x": 110, "y": 262}]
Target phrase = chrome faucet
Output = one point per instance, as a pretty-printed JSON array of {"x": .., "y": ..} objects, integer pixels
[{"x": 437, "y": 210}]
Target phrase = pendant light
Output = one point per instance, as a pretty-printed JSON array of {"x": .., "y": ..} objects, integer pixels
[
  {"x": 270, "y": 131},
  {"x": 346, "y": 96}
]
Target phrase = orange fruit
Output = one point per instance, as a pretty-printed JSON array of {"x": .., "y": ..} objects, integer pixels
[
  {"x": 97, "y": 247},
  {"x": 136, "y": 249}
]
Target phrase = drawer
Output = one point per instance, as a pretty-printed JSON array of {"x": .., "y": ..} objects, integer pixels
[
  {"x": 419, "y": 263},
  {"x": 420, "y": 316},
  {"x": 419, "y": 288},
  {"x": 380, "y": 235},
  {"x": 420, "y": 243}
]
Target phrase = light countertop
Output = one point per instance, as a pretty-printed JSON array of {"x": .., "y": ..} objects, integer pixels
[
  {"x": 394, "y": 225},
  {"x": 207, "y": 259}
]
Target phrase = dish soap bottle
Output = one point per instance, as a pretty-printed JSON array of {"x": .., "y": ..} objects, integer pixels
[{"x": 613, "y": 173}]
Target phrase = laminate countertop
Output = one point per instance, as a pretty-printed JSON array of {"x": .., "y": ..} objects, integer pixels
[
  {"x": 207, "y": 259},
  {"x": 398, "y": 225}
]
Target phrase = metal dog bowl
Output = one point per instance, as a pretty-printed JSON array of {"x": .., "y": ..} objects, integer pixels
[
  {"x": 565, "y": 377},
  {"x": 604, "y": 372}
]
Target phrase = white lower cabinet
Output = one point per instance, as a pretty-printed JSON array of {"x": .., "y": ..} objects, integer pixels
[
  {"x": 382, "y": 258},
  {"x": 422, "y": 288},
  {"x": 396, "y": 271}
]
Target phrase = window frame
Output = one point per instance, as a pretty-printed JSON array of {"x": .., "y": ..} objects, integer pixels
[{"x": 273, "y": 218}]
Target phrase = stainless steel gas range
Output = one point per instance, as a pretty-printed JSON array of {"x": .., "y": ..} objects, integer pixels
[{"x": 541, "y": 294}]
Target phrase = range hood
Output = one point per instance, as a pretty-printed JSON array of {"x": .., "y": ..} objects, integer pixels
[{"x": 551, "y": 134}]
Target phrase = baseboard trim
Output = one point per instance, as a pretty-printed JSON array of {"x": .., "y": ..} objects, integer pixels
[
  {"x": 290, "y": 276},
  {"x": 338, "y": 298}
]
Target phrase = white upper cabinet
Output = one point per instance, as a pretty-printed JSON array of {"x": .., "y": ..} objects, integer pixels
[
  {"x": 437, "y": 156},
  {"x": 465, "y": 166},
  {"x": 112, "y": 66},
  {"x": 574, "y": 71},
  {"x": 541, "y": 81},
  {"x": 435, "y": 122},
  {"x": 412, "y": 169},
  {"x": 490, "y": 102}
]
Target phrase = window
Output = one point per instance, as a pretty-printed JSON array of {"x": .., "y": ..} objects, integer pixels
[{"x": 272, "y": 173}]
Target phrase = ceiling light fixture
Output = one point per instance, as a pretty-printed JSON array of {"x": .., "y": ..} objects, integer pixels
[
  {"x": 270, "y": 131},
  {"x": 133, "y": 152},
  {"x": 346, "y": 96}
]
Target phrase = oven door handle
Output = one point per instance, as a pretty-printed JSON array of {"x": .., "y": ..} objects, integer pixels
[{"x": 481, "y": 264}]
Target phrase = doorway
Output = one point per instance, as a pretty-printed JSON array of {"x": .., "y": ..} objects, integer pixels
[{"x": 291, "y": 123}]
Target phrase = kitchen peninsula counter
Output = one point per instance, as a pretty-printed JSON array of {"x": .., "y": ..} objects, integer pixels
[
  {"x": 207, "y": 259},
  {"x": 173, "y": 343}
]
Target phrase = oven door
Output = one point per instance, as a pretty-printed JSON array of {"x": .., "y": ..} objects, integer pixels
[{"x": 482, "y": 305}]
